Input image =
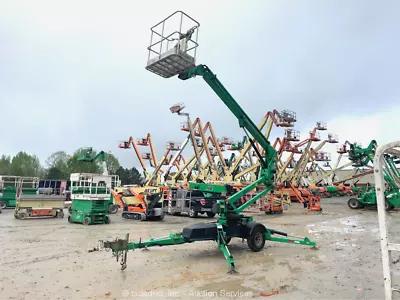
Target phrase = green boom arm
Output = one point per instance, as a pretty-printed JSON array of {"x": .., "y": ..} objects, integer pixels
[
  {"x": 268, "y": 162},
  {"x": 87, "y": 156}
]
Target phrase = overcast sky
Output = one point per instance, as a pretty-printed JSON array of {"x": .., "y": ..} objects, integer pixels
[{"x": 72, "y": 72}]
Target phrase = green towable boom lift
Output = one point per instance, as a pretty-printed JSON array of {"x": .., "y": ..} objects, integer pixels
[{"x": 231, "y": 222}]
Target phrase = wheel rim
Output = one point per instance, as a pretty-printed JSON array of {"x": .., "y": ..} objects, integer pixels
[
  {"x": 2, "y": 205},
  {"x": 258, "y": 239},
  {"x": 353, "y": 202}
]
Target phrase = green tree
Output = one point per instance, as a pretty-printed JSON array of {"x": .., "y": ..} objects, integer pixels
[
  {"x": 58, "y": 165},
  {"x": 129, "y": 176},
  {"x": 112, "y": 163},
  {"x": 56, "y": 173},
  {"x": 5, "y": 165},
  {"x": 24, "y": 164}
]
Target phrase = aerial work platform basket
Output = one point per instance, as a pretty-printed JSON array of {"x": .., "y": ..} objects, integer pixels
[
  {"x": 142, "y": 141},
  {"x": 124, "y": 145},
  {"x": 321, "y": 125},
  {"x": 342, "y": 149},
  {"x": 286, "y": 118},
  {"x": 177, "y": 108},
  {"x": 173, "y": 146},
  {"x": 225, "y": 141},
  {"x": 292, "y": 135},
  {"x": 315, "y": 136},
  {"x": 322, "y": 156},
  {"x": 332, "y": 138},
  {"x": 173, "y": 45}
]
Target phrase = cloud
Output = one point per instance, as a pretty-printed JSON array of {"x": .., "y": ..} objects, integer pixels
[{"x": 72, "y": 73}]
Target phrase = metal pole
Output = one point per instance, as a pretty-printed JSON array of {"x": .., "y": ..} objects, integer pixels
[
  {"x": 151, "y": 42},
  {"x": 380, "y": 197},
  {"x": 383, "y": 231},
  {"x": 197, "y": 36},
  {"x": 162, "y": 39}
]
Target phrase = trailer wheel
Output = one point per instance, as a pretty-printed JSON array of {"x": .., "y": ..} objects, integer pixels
[
  {"x": 21, "y": 216},
  {"x": 107, "y": 220},
  {"x": 193, "y": 213},
  {"x": 256, "y": 239},
  {"x": 354, "y": 203},
  {"x": 210, "y": 214},
  {"x": 3, "y": 205},
  {"x": 60, "y": 214},
  {"x": 87, "y": 221},
  {"x": 69, "y": 219}
]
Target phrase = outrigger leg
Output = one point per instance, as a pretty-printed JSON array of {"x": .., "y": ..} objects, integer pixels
[{"x": 223, "y": 245}]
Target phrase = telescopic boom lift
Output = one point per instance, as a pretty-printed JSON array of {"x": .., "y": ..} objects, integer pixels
[{"x": 231, "y": 222}]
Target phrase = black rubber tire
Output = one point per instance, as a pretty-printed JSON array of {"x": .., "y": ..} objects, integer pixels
[
  {"x": 21, "y": 216},
  {"x": 192, "y": 213},
  {"x": 3, "y": 205},
  {"x": 354, "y": 203},
  {"x": 107, "y": 220},
  {"x": 256, "y": 240},
  {"x": 87, "y": 221},
  {"x": 176, "y": 214},
  {"x": 210, "y": 214},
  {"x": 161, "y": 217},
  {"x": 60, "y": 214},
  {"x": 113, "y": 209},
  {"x": 69, "y": 219},
  {"x": 388, "y": 206},
  {"x": 70, "y": 208}
]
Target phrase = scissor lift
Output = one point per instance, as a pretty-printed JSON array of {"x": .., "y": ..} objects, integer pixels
[{"x": 386, "y": 246}]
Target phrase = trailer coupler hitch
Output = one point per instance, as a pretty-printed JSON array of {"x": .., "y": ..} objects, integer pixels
[{"x": 119, "y": 249}]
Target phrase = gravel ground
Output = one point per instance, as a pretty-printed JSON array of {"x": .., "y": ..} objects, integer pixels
[{"x": 49, "y": 259}]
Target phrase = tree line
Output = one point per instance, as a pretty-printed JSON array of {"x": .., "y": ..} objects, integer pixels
[{"x": 60, "y": 165}]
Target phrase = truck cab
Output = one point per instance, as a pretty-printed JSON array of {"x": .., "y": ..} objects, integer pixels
[{"x": 192, "y": 202}]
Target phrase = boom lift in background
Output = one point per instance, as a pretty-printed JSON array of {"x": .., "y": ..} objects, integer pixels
[
  {"x": 87, "y": 156},
  {"x": 149, "y": 208},
  {"x": 231, "y": 222},
  {"x": 362, "y": 157}
]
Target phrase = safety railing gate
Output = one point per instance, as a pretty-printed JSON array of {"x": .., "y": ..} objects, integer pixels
[{"x": 386, "y": 246}]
